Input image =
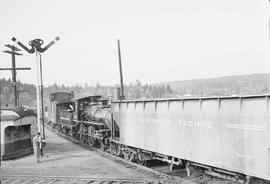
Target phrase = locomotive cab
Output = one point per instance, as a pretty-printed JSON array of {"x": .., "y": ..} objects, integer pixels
[
  {"x": 52, "y": 110},
  {"x": 64, "y": 118}
]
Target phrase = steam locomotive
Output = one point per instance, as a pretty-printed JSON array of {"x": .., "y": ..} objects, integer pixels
[
  {"x": 88, "y": 119},
  {"x": 227, "y": 137}
]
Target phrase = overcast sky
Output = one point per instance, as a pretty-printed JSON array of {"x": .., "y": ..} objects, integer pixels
[{"x": 160, "y": 40}]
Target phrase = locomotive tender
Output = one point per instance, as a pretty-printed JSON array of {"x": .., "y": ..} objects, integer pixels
[
  {"x": 222, "y": 135},
  {"x": 55, "y": 99}
]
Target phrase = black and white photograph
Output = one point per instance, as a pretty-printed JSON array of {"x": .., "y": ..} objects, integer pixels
[{"x": 134, "y": 92}]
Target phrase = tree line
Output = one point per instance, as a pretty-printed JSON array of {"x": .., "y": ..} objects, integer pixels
[
  {"x": 252, "y": 84},
  {"x": 27, "y": 92}
]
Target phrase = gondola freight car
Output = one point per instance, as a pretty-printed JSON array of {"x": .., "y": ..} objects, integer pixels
[{"x": 220, "y": 134}]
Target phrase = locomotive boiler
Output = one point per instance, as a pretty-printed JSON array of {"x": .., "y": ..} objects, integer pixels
[{"x": 96, "y": 123}]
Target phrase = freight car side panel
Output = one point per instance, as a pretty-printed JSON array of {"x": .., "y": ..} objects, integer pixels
[
  {"x": 228, "y": 133},
  {"x": 171, "y": 128},
  {"x": 246, "y": 136}
]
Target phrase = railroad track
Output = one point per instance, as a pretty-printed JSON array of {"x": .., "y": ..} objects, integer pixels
[
  {"x": 32, "y": 179},
  {"x": 164, "y": 177},
  {"x": 159, "y": 171}
]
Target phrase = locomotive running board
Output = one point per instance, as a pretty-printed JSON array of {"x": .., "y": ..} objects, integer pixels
[{"x": 93, "y": 123}]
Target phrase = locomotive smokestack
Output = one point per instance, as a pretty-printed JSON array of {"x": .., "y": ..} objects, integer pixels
[
  {"x": 72, "y": 94},
  {"x": 122, "y": 96}
]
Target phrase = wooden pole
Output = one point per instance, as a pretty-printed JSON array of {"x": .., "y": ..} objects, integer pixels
[
  {"x": 14, "y": 69},
  {"x": 122, "y": 95}
]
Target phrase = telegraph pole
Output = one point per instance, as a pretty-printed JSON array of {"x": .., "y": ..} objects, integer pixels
[
  {"x": 14, "y": 51},
  {"x": 122, "y": 96},
  {"x": 0, "y": 126}
]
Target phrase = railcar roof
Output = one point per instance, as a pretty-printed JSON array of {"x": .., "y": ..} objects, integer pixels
[
  {"x": 65, "y": 102},
  {"x": 15, "y": 113},
  {"x": 82, "y": 98},
  {"x": 193, "y": 98},
  {"x": 57, "y": 92}
]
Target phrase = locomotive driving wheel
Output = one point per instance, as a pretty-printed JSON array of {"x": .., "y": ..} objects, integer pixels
[
  {"x": 102, "y": 147},
  {"x": 70, "y": 133},
  {"x": 82, "y": 139},
  {"x": 58, "y": 128},
  {"x": 65, "y": 130},
  {"x": 91, "y": 139}
]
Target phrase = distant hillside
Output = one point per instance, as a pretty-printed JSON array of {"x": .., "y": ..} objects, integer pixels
[{"x": 230, "y": 85}]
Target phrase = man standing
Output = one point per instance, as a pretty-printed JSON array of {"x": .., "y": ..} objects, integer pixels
[{"x": 36, "y": 146}]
